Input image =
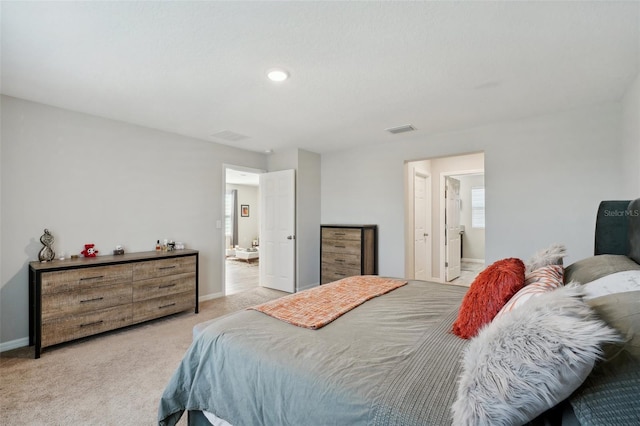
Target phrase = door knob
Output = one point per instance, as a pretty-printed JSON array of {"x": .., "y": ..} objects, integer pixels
[
  {"x": 426, "y": 235},
  {"x": 291, "y": 237}
]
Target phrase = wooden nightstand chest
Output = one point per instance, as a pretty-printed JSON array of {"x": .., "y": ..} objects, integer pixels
[{"x": 348, "y": 250}]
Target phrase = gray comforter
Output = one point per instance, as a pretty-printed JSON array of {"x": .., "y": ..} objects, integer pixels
[{"x": 390, "y": 361}]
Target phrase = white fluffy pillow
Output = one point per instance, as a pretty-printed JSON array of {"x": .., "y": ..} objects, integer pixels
[
  {"x": 524, "y": 363},
  {"x": 552, "y": 255}
]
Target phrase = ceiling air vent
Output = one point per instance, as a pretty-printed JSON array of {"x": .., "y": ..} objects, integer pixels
[
  {"x": 229, "y": 136},
  {"x": 401, "y": 129}
]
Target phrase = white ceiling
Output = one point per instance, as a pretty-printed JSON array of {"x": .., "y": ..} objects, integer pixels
[{"x": 198, "y": 68}]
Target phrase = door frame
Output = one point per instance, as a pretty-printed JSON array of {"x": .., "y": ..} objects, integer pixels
[
  {"x": 409, "y": 219},
  {"x": 443, "y": 176},
  {"x": 222, "y": 240},
  {"x": 428, "y": 214}
]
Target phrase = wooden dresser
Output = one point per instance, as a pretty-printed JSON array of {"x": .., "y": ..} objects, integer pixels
[
  {"x": 348, "y": 250},
  {"x": 74, "y": 298}
]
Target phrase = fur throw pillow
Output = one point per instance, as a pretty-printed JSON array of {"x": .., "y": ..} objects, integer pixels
[
  {"x": 487, "y": 294},
  {"x": 550, "y": 256},
  {"x": 526, "y": 362}
]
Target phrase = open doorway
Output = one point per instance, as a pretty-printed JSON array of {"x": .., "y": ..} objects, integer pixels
[
  {"x": 241, "y": 229},
  {"x": 464, "y": 226},
  {"x": 444, "y": 240}
]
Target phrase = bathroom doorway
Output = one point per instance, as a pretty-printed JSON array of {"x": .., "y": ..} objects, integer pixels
[{"x": 428, "y": 242}]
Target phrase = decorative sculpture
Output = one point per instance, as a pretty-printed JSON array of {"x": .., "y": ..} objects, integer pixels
[{"x": 46, "y": 254}]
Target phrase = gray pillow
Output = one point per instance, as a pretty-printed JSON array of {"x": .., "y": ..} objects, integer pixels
[
  {"x": 610, "y": 393},
  {"x": 592, "y": 268},
  {"x": 529, "y": 360}
]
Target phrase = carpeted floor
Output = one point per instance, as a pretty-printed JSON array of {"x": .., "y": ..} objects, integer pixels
[{"x": 113, "y": 379}]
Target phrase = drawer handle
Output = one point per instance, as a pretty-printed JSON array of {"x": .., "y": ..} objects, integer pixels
[
  {"x": 167, "y": 285},
  {"x": 97, "y": 277},
  {"x": 340, "y": 246},
  {"x": 91, "y": 300},
  {"x": 340, "y": 260},
  {"x": 167, "y": 267},
  {"x": 91, "y": 323},
  {"x": 340, "y": 233},
  {"x": 342, "y": 275},
  {"x": 167, "y": 306}
]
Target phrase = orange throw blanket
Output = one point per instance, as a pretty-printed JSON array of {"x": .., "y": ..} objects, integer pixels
[{"x": 318, "y": 306}]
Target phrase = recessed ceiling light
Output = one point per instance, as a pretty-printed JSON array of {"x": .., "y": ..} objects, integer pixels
[{"x": 277, "y": 75}]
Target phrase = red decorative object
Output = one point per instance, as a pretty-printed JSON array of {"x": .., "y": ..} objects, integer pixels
[
  {"x": 488, "y": 293},
  {"x": 89, "y": 251}
]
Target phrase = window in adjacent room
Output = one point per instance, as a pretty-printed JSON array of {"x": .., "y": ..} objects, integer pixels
[
  {"x": 231, "y": 217},
  {"x": 228, "y": 208},
  {"x": 477, "y": 207}
]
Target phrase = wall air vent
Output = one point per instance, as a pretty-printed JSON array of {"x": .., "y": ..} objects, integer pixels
[
  {"x": 401, "y": 129},
  {"x": 228, "y": 135}
]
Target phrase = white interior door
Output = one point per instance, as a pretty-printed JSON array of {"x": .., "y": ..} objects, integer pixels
[
  {"x": 422, "y": 225},
  {"x": 452, "y": 228},
  {"x": 277, "y": 230}
]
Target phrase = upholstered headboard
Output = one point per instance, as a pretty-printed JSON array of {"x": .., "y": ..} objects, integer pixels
[
  {"x": 618, "y": 228},
  {"x": 634, "y": 230}
]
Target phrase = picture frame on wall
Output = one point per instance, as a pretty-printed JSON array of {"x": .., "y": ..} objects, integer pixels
[{"x": 244, "y": 210}]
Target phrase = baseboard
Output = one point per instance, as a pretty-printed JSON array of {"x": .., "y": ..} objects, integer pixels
[
  {"x": 210, "y": 296},
  {"x": 308, "y": 286},
  {"x": 14, "y": 344},
  {"x": 467, "y": 259}
]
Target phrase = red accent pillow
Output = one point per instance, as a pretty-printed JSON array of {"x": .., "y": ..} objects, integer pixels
[{"x": 488, "y": 293}]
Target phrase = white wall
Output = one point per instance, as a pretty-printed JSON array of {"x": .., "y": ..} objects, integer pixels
[
  {"x": 631, "y": 139},
  {"x": 308, "y": 219},
  {"x": 544, "y": 177},
  {"x": 89, "y": 179},
  {"x": 248, "y": 227}
]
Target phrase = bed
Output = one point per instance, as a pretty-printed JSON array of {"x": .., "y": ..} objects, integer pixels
[{"x": 393, "y": 359}]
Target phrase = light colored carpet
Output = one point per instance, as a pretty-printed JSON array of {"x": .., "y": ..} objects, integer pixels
[{"x": 113, "y": 379}]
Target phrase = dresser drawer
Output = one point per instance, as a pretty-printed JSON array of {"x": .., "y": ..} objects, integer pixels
[
  {"x": 341, "y": 260},
  {"x": 341, "y": 246},
  {"x": 337, "y": 273},
  {"x": 341, "y": 234},
  {"x": 65, "y": 303},
  {"x": 164, "y": 267},
  {"x": 161, "y": 306},
  {"x": 76, "y": 326},
  {"x": 163, "y": 286},
  {"x": 77, "y": 279}
]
